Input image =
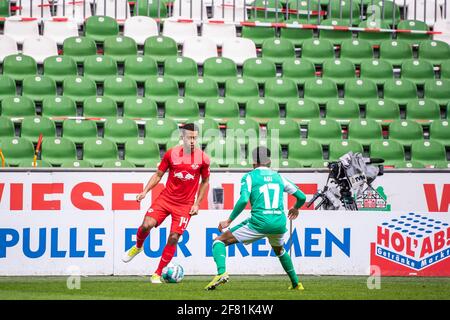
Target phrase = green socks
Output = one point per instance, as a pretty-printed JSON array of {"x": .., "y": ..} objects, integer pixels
[
  {"x": 286, "y": 262},
  {"x": 219, "y": 254}
]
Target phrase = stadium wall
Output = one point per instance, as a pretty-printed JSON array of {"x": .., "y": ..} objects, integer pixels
[{"x": 60, "y": 223}]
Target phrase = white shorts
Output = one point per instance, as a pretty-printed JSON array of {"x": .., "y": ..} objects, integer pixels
[{"x": 246, "y": 235}]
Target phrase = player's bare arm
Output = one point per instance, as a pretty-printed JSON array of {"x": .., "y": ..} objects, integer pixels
[
  {"x": 201, "y": 194},
  {"x": 154, "y": 180}
]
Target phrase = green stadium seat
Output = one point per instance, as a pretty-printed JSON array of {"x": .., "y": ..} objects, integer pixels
[
  {"x": 33, "y": 126},
  {"x": 270, "y": 15},
  {"x": 18, "y": 66},
  {"x": 400, "y": 90},
  {"x": 278, "y": 50},
  {"x": 356, "y": 50},
  {"x": 376, "y": 70},
  {"x": 242, "y": 129},
  {"x": 440, "y": 131},
  {"x": 324, "y": 130},
  {"x": 342, "y": 110},
  {"x": 118, "y": 164},
  {"x": 180, "y": 68},
  {"x": 412, "y": 38},
  {"x": 386, "y": 109},
  {"x": 434, "y": 51},
  {"x": 338, "y": 70},
  {"x": 31, "y": 164},
  {"x": 79, "y": 131},
  {"x": 57, "y": 150},
  {"x": 374, "y": 38},
  {"x": 405, "y": 131},
  {"x": 258, "y": 34},
  {"x": 360, "y": 90},
  {"x": 417, "y": 71},
  {"x": 120, "y": 88},
  {"x": 17, "y": 149},
  {"x": 76, "y": 164},
  {"x": 390, "y": 151},
  {"x": 59, "y": 67},
  {"x": 388, "y": 13},
  {"x": 307, "y": 152},
  {"x": 6, "y": 127},
  {"x": 79, "y": 88},
  {"x": 18, "y": 106},
  {"x": 181, "y": 108},
  {"x": 119, "y": 130},
  {"x": 58, "y": 107},
  {"x": 98, "y": 28},
  {"x": 395, "y": 51},
  {"x": 208, "y": 129},
  {"x": 219, "y": 69},
  {"x": 99, "y": 68},
  {"x": 339, "y": 148},
  {"x": 298, "y": 70},
  {"x": 320, "y": 90},
  {"x": 7, "y": 87},
  {"x": 262, "y": 109},
  {"x": 159, "y": 88},
  {"x": 38, "y": 87},
  {"x": 317, "y": 50},
  {"x": 4, "y": 8},
  {"x": 302, "y": 110},
  {"x": 99, "y": 150},
  {"x": 335, "y": 36},
  {"x": 259, "y": 69},
  {"x": 438, "y": 91},
  {"x": 120, "y": 47},
  {"x": 423, "y": 110},
  {"x": 141, "y": 151},
  {"x": 364, "y": 131},
  {"x": 140, "y": 68},
  {"x": 429, "y": 153},
  {"x": 155, "y": 9},
  {"x": 303, "y": 6},
  {"x": 79, "y": 48},
  {"x": 201, "y": 89},
  {"x": 160, "y": 48},
  {"x": 284, "y": 130},
  {"x": 296, "y": 35},
  {"x": 241, "y": 89},
  {"x": 344, "y": 10},
  {"x": 281, "y": 90},
  {"x": 289, "y": 164},
  {"x": 221, "y": 109},
  {"x": 162, "y": 130},
  {"x": 98, "y": 107},
  {"x": 140, "y": 107}
]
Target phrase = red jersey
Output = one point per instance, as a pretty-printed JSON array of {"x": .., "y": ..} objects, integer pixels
[{"x": 184, "y": 174}]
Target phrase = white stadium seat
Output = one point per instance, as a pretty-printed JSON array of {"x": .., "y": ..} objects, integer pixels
[
  {"x": 78, "y": 10},
  {"x": 59, "y": 29},
  {"x": 227, "y": 12},
  {"x": 218, "y": 32},
  {"x": 19, "y": 28},
  {"x": 182, "y": 10},
  {"x": 179, "y": 31},
  {"x": 8, "y": 46},
  {"x": 117, "y": 9},
  {"x": 199, "y": 49},
  {"x": 239, "y": 50},
  {"x": 140, "y": 28},
  {"x": 40, "y": 48},
  {"x": 36, "y": 9},
  {"x": 444, "y": 27}
]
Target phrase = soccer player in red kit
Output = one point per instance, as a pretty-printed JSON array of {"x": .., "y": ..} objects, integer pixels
[{"x": 186, "y": 164}]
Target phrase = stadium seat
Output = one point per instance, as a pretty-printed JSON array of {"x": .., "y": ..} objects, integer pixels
[
  {"x": 57, "y": 150},
  {"x": 98, "y": 28},
  {"x": 155, "y": 9},
  {"x": 233, "y": 10},
  {"x": 6, "y": 127},
  {"x": 79, "y": 88},
  {"x": 376, "y": 70},
  {"x": 117, "y": 9},
  {"x": 140, "y": 107},
  {"x": 60, "y": 29},
  {"x": 98, "y": 68},
  {"x": 429, "y": 153},
  {"x": 302, "y": 110},
  {"x": 356, "y": 50},
  {"x": 289, "y": 164},
  {"x": 342, "y": 110},
  {"x": 160, "y": 48},
  {"x": 225, "y": 152},
  {"x": 79, "y": 48},
  {"x": 120, "y": 88},
  {"x": 278, "y": 50},
  {"x": 7, "y": 87},
  {"x": 317, "y": 50},
  {"x": 434, "y": 51},
  {"x": 374, "y": 38},
  {"x": 119, "y": 47},
  {"x": 118, "y": 164},
  {"x": 58, "y": 67},
  {"x": 17, "y": 149},
  {"x": 139, "y": 28},
  {"x": 141, "y": 151},
  {"x": 338, "y": 70},
  {"x": 405, "y": 131},
  {"x": 390, "y": 151},
  {"x": 39, "y": 48},
  {"x": 99, "y": 150},
  {"x": 140, "y": 68},
  {"x": 33, "y": 9},
  {"x": 77, "y": 10},
  {"x": 32, "y": 164},
  {"x": 161, "y": 130},
  {"x": 360, "y": 90},
  {"x": 201, "y": 89},
  {"x": 440, "y": 131},
  {"x": 395, "y": 51},
  {"x": 417, "y": 71},
  {"x": 238, "y": 50},
  {"x": 262, "y": 109},
  {"x": 187, "y": 9},
  {"x": 400, "y": 90},
  {"x": 76, "y": 164},
  {"x": 219, "y": 32},
  {"x": 38, "y": 87},
  {"x": 219, "y": 69},
  {"x": 208, "y": 129},
  {"x": 270, "y": 15},
  {"x": 345, "y": 10},
  {"x": 339, "y": 148},
  {"x": 241, "y": 89},
  {"x": 364, "y": 131},
  {"x": 17, "y": 106},
  {"x": 382, "y": 110},
  {"x": 296, "y": 35},
  {"x": 281, "y": 90},
  {"x": 302, "y": 7},
  {"x": 33, "y": 126},
  {"x": 259, "y": 69},
  {"x": 179, "y": 31},
  {"x": 160, "y": 88},
  {"x": 324, "y": 130},
  {"x": 335, "y": 36},
  {"x": 181, "y": 108},
  {"x": 320, "y": 90},
  {"x": 98, "y": 107},
  {"x": 284, "y": 130},
  {"x": 79, "y": 131},
  {"x": 59, "y": 106},
  {"x": 199, "y": 49},
  {"x": 9, "y": 47},
  {"x": 258, "y": 34},
  {"x": 413, "y": 38},
  {"x": 242, "y": 129},
  {"x": 298, "y": 70},
  {"x": 19, "y": 29},
  {"x": 119, "y": 130},
  {"x": 180, "y": 68},
  {"x": 423, "y": 110},
  {"x": 221, "y": 109},
  {"x": 19, "y": 66},
  {"x": 306, "y": 151},
  {"x": 389, "y": 11},
  {"x": 438, "y": 91}
]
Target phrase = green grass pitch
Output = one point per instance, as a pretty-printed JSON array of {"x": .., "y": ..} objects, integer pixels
[{"x": 239, "y": 287}]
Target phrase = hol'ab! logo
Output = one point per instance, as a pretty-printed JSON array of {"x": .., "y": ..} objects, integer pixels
[{"x": 412, "y": 244}]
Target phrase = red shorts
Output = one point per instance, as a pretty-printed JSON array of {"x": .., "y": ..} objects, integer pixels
[{"x": 161, "y": 208}]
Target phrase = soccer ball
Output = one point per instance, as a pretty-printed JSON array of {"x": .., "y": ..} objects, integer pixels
[{"x": 172, "y": 273}]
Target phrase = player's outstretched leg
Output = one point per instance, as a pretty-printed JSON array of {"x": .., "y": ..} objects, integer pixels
[
  {"x": 166, "y": 257},
  {"x": 219, "y": 254},
  {"x": 286, "y": 262},
  {"x": 141, "y": 235}
]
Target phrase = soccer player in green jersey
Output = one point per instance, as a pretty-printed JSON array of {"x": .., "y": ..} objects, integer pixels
[{"x": 264, "y": 188}]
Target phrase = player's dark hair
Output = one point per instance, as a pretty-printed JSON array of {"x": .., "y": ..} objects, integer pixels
[
  {"x": 261, "y": 155},
  {"x": 190, "y": 127}
]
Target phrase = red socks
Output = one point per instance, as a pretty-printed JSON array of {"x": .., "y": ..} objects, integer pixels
[
  {"x": 166, "y": 256},
  {"x": 140, "y": 237}
]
